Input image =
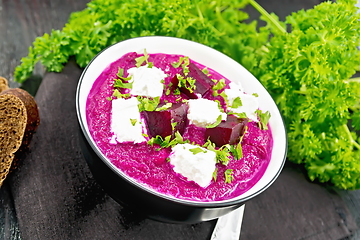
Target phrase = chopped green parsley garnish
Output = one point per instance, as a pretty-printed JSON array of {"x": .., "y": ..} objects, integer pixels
[
  {"x": 236, "y": 103},
  {"x": 120, "y": 84},
  {"x": 264, "y": 119},
  {"x": 179, "y": 138},
  {"x": 218, "y": 87},
  {"x": 173, "y": 125},
  {"x": 228, "y": 176},
  {"x": 206, "y": 71},
  {"x": 218, "y": 121},
  {"x": 142, "y": 59},
  {"x": 185, "y": 65},
  {"x": 215, "y": 174},
  {"x": 148, "y": 104},
  {"x": 120, "y": 75},
  {"x": 177, "y": 91},
  {"x": 121, "y": 81},
  {"x": 239, "y": 115},
  {"x": 165, "y": 143},
  {"x": 224, "y": 96},
  {"x": 188, "y": 83},
  {"x": 177, "y": 64},
  {"x": 197, "y": 150},
  {"x": 222, "y": 154},
  {"x": 236, "y": 151},
  {"x": 118, "y": 94},
  {"x": 133, "y": 121},
  {"x": 167, "y": 93},
  {"x": 164, "y": 107},
  {"x": 168, "y": 89}
]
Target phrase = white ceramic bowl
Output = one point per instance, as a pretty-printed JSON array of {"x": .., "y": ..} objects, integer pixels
[{"x": 212, "y": 59}]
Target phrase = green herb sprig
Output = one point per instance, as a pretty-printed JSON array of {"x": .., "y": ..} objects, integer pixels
[
  {"x": 167, "y": 142},
  {"x": 228, "y": 175},
  {"x": 148, "y": 104},
  {"x": 140, "y": 60},
  {"x": 307, "y": 72}
]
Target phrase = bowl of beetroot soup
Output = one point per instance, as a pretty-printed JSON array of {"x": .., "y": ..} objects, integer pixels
[{"x": 177, "y": 130}]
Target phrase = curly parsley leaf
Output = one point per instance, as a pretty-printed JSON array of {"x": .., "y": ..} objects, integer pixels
[
  {"x": 219, "y": 86},
  {"x": 222, "y": 154},
  {"x": 118, "y": 94},
  {"x": 177, "y": 64},
  {"x": 173, "y": 125},
  {"x": 306, "y": 71},
  {"x": 197, "y": 150},
  {"x": 264, "y": 118},
  {"x": 218, "y": 121},
  {"x": 164, "y": 107},
  {"x": 140, "y": 60},
  {"x": 228, "y": 175},
  {"x": 133, "y": 121},
  {"x": 186, "y": 82},
  {"x": 119, "y": 83},
  {"x": 236, "y": 151},
  {"x": 185, "y": 65},
  {"x": 215, "y": 175},
  {"x": 167, "y": 142},
  {"x": 236, "y": 103},
  {"x": 148, "y": 104}
]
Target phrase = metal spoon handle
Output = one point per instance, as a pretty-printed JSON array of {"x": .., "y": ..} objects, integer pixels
[{"x": 229, "y": 226}]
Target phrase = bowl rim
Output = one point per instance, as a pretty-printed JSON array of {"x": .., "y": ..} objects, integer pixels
[{"x": 185, "y": 202}]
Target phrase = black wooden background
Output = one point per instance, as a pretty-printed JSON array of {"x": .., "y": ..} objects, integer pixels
[{"x": 21, "y": 21}]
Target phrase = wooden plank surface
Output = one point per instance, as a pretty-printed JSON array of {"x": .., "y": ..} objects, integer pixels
[{"x": 21, "y": 21}]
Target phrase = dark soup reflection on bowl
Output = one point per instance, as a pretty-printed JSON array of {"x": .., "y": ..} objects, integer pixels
[{"x": 178, "y": 130}]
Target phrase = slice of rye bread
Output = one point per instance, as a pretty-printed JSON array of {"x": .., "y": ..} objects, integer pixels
[
  {"x": 3, "y": 84},
  {"x": 19, "y": 118}
]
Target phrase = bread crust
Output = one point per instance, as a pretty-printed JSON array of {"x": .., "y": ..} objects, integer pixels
[
  {"x": 3, "y": 84},
  {"x": 19, "y": 115},
  {"x": 32, "y": 111}
]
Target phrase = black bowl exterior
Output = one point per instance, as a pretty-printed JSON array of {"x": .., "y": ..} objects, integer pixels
[{"x": 155, "y": 207}]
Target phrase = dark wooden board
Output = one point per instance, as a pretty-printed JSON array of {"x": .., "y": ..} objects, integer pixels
[{"x": 21, "y": 21}]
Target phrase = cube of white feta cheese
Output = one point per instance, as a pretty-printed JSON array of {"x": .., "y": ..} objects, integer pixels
[
  {"x": 197, "y": 166},
  {"x": 233, "y": 91},
  {"x": 147, "y": 81},
  {"x": 203, "y": 112},
  {"x": 125, "y": 121},
  {"x": 249, "y": 102}
]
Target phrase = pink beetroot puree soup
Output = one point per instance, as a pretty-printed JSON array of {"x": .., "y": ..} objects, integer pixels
[{"x": 148, "y": 165}]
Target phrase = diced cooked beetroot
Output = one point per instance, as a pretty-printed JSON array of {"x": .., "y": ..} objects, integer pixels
[
  {"x": 203, "y": 83},
  {"x": 159, "y": 122},
  {"x": 190, "y": 95},
  {"x": 227, "y": 132},
  {"x": 174, "y": 83},
  {"x": 183, "y": 90}
]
